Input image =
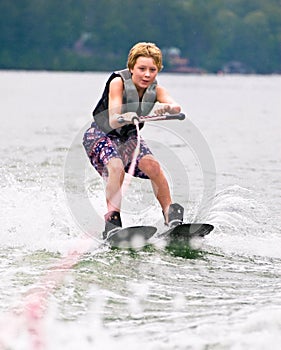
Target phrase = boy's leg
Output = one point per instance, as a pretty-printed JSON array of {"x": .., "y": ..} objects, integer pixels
[
  {"x": 114, "y": 182},
  {"x": 151, "y": 167},
  {"x": 173, "y": 213},
  {"x": 115, "y": 172}
]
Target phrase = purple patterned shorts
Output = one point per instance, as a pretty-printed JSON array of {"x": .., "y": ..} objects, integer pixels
[{"x": 101, "y": 147}]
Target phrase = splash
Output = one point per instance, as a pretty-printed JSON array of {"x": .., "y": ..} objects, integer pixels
[{"x": 243, "y": 224}]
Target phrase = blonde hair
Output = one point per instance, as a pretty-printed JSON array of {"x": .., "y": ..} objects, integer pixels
[{"x": 145, "y": 50}]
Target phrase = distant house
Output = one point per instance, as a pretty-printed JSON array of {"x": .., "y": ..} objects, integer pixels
[
  {"x": 80, "y": 46},
  {"x": 177, "y": 64},
  {"x": 236, "y": 67}
]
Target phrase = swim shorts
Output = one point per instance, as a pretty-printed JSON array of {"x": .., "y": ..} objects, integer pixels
[{"x": 102, "y": 147}]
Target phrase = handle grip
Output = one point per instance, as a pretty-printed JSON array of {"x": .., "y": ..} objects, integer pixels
[{"x": 179, "y": 116}]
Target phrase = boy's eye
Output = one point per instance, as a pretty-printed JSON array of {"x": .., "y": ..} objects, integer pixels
[{"x": 150, "y": 69}]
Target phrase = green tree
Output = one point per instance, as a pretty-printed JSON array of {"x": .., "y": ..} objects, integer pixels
[{"x": 97, "y": 34}]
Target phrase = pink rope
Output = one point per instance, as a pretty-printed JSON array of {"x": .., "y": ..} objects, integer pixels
[
  {"x": 131, "y": 170},
  {"x": 35, "y": 303}
]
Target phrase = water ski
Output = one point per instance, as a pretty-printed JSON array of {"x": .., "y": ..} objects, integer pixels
[
  {"x": 178, "y": 238},
  {"x": 134, "y": 237},
  {"x": 185, "y": 232}
]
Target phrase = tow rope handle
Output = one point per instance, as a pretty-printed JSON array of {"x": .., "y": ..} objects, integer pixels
[{"x": 152, "y": 118}]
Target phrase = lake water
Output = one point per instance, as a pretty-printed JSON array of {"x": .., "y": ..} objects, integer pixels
[{"x": 60, "y": 290}]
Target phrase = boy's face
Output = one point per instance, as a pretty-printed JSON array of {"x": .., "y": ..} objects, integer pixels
[{"x": 144, "y": 72}]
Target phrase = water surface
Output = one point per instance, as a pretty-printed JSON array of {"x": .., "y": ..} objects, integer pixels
[{"x": 60, "y": 290}]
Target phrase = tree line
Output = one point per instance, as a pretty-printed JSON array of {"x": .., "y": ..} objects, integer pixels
[{"x": 97, "y": 34}]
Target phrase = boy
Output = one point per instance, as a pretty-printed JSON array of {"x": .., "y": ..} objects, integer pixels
[{"x": 109, "y": 144}]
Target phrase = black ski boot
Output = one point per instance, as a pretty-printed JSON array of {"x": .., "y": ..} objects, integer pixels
[
  {"x": 112, "y": 223},
  {"x": 175, "y": 215}
]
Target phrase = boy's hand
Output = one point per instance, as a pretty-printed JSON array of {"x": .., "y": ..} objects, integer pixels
[
  {"x": 162, "y": 109},
  {"x": 128, "y": 118}
]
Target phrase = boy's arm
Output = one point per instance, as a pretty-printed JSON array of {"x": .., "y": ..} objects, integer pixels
[
  {"x": 167, "y": 103},
  {"x": 115, "y": 100}
]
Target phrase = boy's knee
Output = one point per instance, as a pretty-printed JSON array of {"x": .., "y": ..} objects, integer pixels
[
  {"x": 115, "y": 166},
  {"x": 150, "y": 167}
]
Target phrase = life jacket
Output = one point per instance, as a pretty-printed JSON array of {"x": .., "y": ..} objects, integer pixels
[{"x": 131, "y": 103}]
